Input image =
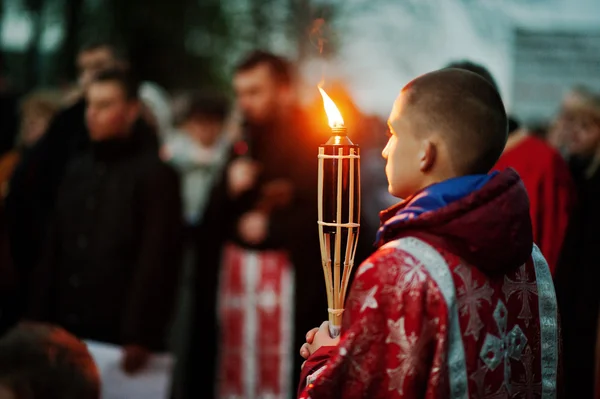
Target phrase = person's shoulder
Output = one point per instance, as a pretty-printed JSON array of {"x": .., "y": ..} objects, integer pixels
[
  {"x": 398, "y": 278},
  {"x": 396, "y": 264}
]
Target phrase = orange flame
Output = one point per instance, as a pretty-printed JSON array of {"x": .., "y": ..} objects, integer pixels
[{"x": 333, "y": 113}]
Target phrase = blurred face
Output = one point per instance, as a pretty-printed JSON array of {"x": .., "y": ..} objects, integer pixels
[
  {"x": 109, "y": 112},
  {"x": 91, "y": 62},
  {"x": 404, "y": 154},
  {"x": 584, "y": 134},
  {"x": 204, "y": 131},
  {"x": 34, "y": 126},
  {"x": 259, "y": 96}
]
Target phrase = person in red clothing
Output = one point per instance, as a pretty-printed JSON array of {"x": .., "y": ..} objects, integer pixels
[
  {"x": 546, "y": 176},
  {"x": 457, "y": 302},
  {"x": 549, "y": 185}
]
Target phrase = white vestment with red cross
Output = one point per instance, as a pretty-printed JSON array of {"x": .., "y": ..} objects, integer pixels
[{"x": 256, "y": 324}]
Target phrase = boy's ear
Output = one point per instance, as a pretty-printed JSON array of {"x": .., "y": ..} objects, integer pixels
[{"x": 427, "y": 156}]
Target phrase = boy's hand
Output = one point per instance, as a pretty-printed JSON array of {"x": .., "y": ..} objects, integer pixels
[{"x": 316, "y": 338}]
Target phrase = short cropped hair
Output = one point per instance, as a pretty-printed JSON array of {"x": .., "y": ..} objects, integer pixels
[
  {"x": 475, "y": 68},
  {"x": 129, "y": 83},
  {"x": 466, "y": 110},
  {"x": 281, "y": 69},
  {"x": 39, "y": 361}
]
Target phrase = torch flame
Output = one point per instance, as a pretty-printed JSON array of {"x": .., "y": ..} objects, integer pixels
[{"x": 333, "y": 113}]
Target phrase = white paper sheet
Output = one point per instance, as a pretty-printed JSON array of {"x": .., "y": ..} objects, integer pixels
[{"x": 152, "y": 382}]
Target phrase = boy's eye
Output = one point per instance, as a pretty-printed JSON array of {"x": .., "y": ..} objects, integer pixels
[{"x": 388, "y": 133}]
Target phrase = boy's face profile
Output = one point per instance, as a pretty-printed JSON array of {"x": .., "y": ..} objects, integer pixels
[
  {"x": 444, "y": 124},
  {"x": 404, "y": 153}
]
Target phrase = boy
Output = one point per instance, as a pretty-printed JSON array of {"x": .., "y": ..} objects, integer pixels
[{"x": 457, "y": 302}]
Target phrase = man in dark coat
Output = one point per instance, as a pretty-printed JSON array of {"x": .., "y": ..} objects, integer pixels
[
  {"x": 110, "y": 267},
  {"x": 264, "y": 209},
  {"x": 34, "y": 184}
]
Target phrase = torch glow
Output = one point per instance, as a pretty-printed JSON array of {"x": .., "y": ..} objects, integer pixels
[
  {"x": 333, "y": 113},
  {"x": 339, "y": 211}
]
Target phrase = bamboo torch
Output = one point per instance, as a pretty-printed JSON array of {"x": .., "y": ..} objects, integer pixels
[{"x": 339, "y": 211}]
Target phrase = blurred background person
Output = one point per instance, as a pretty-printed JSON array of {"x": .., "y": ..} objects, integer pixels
[
  {"x": 40, "y": 361},
  {"x": 36, "y": 112},
  {"x": 561, "y": 129},
  {"x": 579, "y": 272},
  {"x": 110, "y": 268},
  {"x": 549, "y": 186},
  {"x": 37, "y": 109},
  {"x": 545, "y": 175},
  {"x": 34, "y": 184},
  {"x": 263, "y": 215},
  {"x": 198, "y": 149}
]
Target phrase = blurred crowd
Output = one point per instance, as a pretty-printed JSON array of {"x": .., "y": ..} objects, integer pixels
[{"x": 175, "y": 234}]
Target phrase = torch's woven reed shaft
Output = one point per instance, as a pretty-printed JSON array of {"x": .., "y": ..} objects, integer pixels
[
  {"x": 338, "y": 243},
  {"x": 324, "y": 239},
  {"x": 350, "y": 244},
  {"x": 336, "y": 278}
]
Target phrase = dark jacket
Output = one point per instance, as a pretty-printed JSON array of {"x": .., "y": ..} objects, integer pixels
[
  {"x": 35, "y": 181},
  {"x": 32, "y": 188},
  {"x": 110, "y": 266},
  {"x": 9, "y": 301},
  {"x": 576, "y": 280}
]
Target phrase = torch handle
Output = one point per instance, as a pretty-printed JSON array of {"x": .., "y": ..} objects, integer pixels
[
  {"x": 335, "y": 322},
  {"x": 334, "y": 330}
]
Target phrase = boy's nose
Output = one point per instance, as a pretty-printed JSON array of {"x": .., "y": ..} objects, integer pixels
[{"x": 385, "y": 151}]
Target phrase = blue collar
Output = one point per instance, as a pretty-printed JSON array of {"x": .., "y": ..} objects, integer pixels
[{"x": 435, "y": 197}]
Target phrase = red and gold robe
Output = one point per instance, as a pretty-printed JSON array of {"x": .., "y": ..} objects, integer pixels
[{"x": 456, "y": 303}]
